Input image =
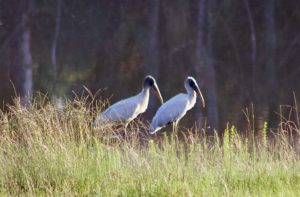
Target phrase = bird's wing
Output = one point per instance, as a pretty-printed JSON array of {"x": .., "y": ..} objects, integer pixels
[
  {"x": 174, "y": 109},
  {"x": 124, "y": 110}
]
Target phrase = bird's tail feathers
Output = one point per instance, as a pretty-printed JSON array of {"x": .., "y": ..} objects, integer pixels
[
  {"x": 153, "y": 130},
  {"x": 99, "y": 120}
]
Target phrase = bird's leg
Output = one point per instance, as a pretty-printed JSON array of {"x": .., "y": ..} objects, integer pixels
[
  {"x": 176, "y": 129},
  {"x": 173, "y": 127},
  {"x": 173, "y": 131},
  {"x": 125, "y": 129}
]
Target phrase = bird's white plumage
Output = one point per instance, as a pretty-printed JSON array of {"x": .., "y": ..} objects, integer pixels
[
  {"x": 128, "y": 109},
  {"x": 172, "y": 111},
  {"x": 175, "y": 108},
  {"x": 125, "y": 110}
]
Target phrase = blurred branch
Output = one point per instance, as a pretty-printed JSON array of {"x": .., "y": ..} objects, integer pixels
[
  {"x": 178, "y": 49},
  {"x": 9, "y": 39},
  {"x": 289, "y": 51},
  {"x": 232, "y": 41}
]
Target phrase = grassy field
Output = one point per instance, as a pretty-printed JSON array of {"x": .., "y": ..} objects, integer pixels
[{"x": 45, "y": 151}]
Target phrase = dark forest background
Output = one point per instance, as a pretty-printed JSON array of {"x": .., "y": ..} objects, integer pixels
[{"x": 243, "y": 53}]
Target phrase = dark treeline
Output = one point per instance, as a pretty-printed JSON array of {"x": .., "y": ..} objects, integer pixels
[{"x": 241, "y": 52}]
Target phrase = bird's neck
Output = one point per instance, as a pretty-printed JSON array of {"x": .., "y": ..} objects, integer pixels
[
  {"x": 145, "y": 95},
  {"x": 192, "y": 98},
  {"x": 189, "y": 90},
  {"x": 145, "y": 91},
  {"x": 144, "y": 98}
]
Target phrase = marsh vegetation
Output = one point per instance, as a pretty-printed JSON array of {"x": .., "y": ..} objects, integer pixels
[{"x": 49, "y": 151}]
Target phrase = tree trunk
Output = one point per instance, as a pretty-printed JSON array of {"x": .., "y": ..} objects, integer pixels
[
  {"x": 204, "y": 65},
  {"x": 152, "y": 56},
  {"x": 25, "y": 64},
  {"x": 210, "y": 76},
  {"x": 271, "y": 94},
  {"x": 152, "y": 48},
  {"x": 253, "y": 49},
  {"x": 200, "y": 53},
  {"x": 268, "y": 96},
  {"x": 200, "y": 49},
  {"x": 54, "y": 45}
]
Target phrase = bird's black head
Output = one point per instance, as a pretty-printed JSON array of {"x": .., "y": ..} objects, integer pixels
[
  {"x": 192, "y": 83},
  {"x": 149, "y": 81}
]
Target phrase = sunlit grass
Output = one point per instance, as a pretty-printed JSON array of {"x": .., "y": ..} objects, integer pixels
[{"x": 45, "y": 151}]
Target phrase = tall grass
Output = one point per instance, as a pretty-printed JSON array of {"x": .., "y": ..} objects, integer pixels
[{"x": 46, "y": 151}]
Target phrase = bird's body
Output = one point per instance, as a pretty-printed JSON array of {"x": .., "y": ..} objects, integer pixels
[
  {"x": 174, "y": 109},
  {"x": 128, "y": 109},
  {"x": 125, "y": 110}
]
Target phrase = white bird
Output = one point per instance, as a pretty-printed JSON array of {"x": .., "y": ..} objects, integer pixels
[
  {"x": 175, "y": 108},
  {"x": 128, "y": 109}
]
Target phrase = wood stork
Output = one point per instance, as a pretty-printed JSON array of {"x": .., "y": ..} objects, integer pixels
[
  {"x": 175, "y": 108},
  {"x": 128, "y": 109}
]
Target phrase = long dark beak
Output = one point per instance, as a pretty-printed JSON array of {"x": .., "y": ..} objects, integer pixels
[
  {"x": 157, "y": 92},
  {"x": 196, "y": 88}
]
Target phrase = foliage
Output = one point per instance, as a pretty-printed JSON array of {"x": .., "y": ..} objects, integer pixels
[{"x": 49, "y": 151}]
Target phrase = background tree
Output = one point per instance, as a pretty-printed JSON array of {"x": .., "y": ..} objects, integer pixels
[{"x": 241, "y": 52}]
